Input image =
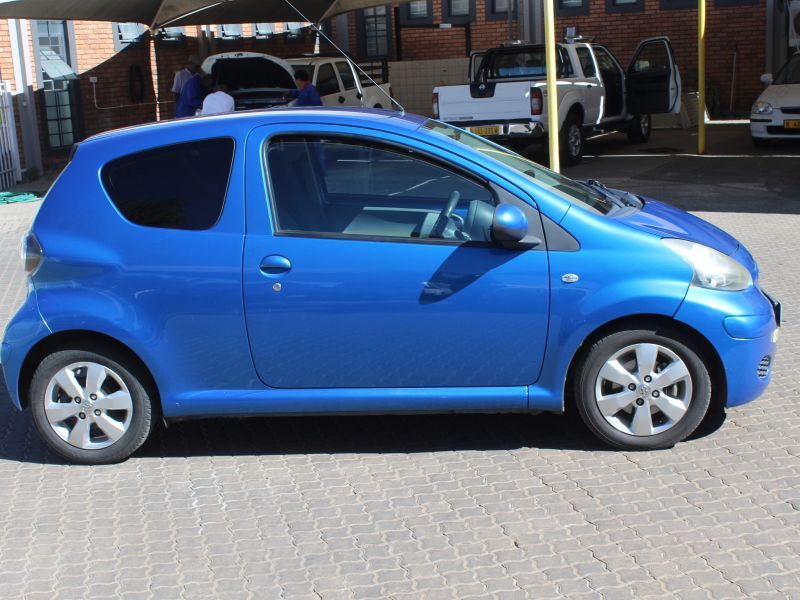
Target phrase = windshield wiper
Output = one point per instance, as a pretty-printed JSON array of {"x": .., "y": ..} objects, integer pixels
[{"x": 618, "y": 197}]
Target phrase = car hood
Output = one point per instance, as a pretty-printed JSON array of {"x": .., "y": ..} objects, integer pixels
[
  {"x": 667, "y": 221},
  {"x": 250, "y": 71},
  {"x": 781, "y": 95}
]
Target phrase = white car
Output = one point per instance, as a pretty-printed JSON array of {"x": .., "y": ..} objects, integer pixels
[{"x": 776, "y": 113}]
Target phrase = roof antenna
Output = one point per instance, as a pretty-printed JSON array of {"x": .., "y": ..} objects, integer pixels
[{"x": 347, "y": 58}]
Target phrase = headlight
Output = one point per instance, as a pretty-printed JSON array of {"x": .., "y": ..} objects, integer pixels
[
  {"x": 761, "y": 108},
  {"x": 712, "y": 269}
]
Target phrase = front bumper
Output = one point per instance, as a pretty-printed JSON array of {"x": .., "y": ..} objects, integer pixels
[
  {"x": 777, "y": 125},
  {"x": 743, "y": 328}
]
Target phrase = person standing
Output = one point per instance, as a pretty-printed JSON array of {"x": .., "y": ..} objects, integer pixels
[
  {"x": 192, "y": 95},
  {"x": 218, "y": 102},
  {"x": 305, "y": 94},
  {"x": 181, "y": 77}
]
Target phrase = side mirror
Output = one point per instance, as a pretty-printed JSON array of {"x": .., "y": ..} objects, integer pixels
[
  {"x": 510, "y": 226},
  {"x": 766, "y": 79}
]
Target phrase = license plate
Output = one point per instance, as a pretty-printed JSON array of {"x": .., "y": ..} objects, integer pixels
[
  {"x": 792, "y": 124},
  {"x": 491, "y": 130}
]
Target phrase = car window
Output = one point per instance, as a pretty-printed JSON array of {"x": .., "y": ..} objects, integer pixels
[
  {"x": 790, "y": 73},
  {"x": 529, "y": 62},
  {"x": 604, "y": 60},
  {"x": 563, "y": 187},
  {"x": 587, "y": 64},
  {"x": 652, "y": 60},
  {"x": 346, "y": 74},
  {"x": 349, "y": 188},
  {"x": 326, "y": 80},
  {"x": 182, "y": 186}
]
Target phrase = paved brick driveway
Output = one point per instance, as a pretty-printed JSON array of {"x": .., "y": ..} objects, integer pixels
[{"x": 418, "y": 507}]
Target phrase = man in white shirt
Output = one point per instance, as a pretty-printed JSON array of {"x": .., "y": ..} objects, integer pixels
[
  {"x": 218, "y": 102},
  {"x": 185, "y": 74}
]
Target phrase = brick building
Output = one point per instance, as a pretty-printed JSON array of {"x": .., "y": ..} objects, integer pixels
[
  {"x": 747, "y": 33},
  {"x": 72, "y": 79}
]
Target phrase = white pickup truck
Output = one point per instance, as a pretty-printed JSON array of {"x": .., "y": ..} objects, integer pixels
[
  {"x": 257, "y": 80},
  {"x": 339, "y": 84},
  {"x": 506, "y": 99}
]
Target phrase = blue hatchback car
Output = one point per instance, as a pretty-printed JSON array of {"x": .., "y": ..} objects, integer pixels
[{"x": 348, "y": 261}]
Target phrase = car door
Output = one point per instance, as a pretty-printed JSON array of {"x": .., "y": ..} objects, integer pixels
[
  {"x": 350, "y": 94},
  {"x": 613, "y": 78},
  {"x": 328, "y": 85},
  {"x": 593, "y": 97},
  {"x": 652, "y": 81},
  {"x": 347, "y": 283}
]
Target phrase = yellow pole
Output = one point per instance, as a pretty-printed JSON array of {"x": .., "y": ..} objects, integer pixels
[
  {"x": 552, "y": 93},
  {"x": 701, "y": 76}
]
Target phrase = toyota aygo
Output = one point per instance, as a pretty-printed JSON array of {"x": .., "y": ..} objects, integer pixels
[{"x": 334, "y": 261}]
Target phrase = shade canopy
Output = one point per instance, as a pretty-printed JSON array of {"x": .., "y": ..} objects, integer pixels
[{"x": 160, "y": 13}]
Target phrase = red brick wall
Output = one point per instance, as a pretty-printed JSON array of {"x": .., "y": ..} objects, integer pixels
[{"x": 726, "y": 28}]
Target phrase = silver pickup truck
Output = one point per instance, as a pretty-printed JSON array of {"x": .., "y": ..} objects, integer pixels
[{"x": 506, "y": 96}]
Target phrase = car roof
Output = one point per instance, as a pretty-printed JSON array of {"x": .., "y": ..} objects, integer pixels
[{"x": 243, "y": 121}]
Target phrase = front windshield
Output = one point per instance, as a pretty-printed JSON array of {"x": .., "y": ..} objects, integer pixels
[
  {"x": 790, "y": 73},
  {"x": 558, "y": 184}
]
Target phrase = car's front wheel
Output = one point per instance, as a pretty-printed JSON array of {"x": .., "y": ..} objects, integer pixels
[
  {"x": 91, "y": 407},
  {"x": 643, "y": 389}
]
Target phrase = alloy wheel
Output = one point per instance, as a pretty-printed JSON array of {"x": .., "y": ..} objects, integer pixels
[
  {"x": 88, "y": 405},
  {"x": 643, "y": 389}
]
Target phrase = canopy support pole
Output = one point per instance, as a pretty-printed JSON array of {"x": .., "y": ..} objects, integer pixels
[
  {"x": 552, "y": 90},
  {"x": 701, "y": 76}
]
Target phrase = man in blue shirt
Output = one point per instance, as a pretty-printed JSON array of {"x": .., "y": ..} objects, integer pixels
[
  {"x": 305, "y": 94},
  {"x": 192, "y": 95}
]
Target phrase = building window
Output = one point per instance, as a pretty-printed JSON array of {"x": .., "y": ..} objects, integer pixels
[
  {"x": 418, "y": 9},
  {"x": 375, "y": 31},
  {"x": 677, "y": 4},
  {"x": 294, "y": 30},
  {"x": 458, "y": 8},
  {"x": 458, "y": 11},
  {"x": 264, "y": 31},
  {"x": 126, "y": 34},
  {"x": 497, "y": 10},
  {"x": 419, "y": 12},
  {"x": 623, "y": 6},
  {"x": 230, "y": 31},
  {"x": 56, "y": 77},
  {"x": 572, "y": 8},
  {"x": 171, "y": 34}
]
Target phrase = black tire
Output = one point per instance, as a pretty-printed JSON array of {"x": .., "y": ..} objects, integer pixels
[
  {"x": 571, "y": 140},
  {"x": 587, "y": 382},
  {"x": 639, "y": 129},
  {"x": 143, "y": 414},
  {"x": 760, "y": 142}
]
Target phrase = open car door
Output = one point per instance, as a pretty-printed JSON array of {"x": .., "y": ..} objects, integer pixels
[{"x": 652, "y": 82}]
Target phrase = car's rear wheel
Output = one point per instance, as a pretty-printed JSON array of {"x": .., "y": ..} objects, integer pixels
[
  {"x": 91, "y": 407},
  {"x": 639, "y": 129},
  {"x": 643, "y": 389},
  {"x": 571, "y": 140}
]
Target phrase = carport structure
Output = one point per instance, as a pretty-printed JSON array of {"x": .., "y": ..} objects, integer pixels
[{"x": 161, "y": 13}]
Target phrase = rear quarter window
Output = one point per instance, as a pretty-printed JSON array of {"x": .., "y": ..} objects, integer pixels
[{"x": 182, "y": 186}]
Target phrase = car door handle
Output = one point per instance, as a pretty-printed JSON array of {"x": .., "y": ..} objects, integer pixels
[
  {"x": 341, "y": 99},
  {"x": 275, "y": 264}
]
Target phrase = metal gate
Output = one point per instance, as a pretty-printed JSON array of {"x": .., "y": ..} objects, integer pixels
[{"x": 10, "y": 170}]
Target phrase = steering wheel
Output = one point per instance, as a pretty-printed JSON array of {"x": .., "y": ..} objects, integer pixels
[{"x": 444, "y": 216}]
